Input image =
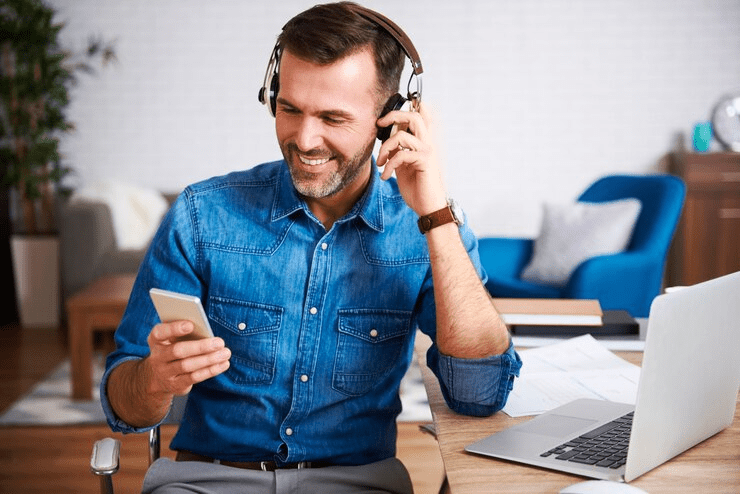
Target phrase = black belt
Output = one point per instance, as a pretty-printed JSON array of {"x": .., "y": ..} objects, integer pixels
[{"x": 265, "y": 466}]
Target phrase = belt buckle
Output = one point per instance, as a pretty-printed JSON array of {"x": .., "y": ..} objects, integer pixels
[{"x": 266, "y": 466}]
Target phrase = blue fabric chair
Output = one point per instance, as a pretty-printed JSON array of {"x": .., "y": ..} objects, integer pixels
[{"x": 628, "y": 280}]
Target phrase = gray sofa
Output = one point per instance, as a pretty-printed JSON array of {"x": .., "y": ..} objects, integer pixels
[{"x": 87, "y": 245}]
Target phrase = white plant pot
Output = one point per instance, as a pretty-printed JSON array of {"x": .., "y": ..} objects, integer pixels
[{"x": 36, "y": 271}]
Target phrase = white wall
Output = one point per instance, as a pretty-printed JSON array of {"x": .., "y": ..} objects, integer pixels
[{"x": 534, "y": 98}]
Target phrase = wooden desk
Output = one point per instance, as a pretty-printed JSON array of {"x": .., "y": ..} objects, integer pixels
[
  {"x": 98, "y": 306},
  {"x": 711, "y": 466}
]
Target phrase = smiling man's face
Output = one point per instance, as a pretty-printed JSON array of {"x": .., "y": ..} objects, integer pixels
[{"x": 325, "y": 122}]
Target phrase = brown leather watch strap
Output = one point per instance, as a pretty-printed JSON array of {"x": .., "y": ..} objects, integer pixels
[{"x": 435, "y": 219}]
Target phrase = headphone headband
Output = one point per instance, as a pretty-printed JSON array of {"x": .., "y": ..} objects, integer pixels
[
  {"x": 394, "y": 30},
  {"x": 268, "y": 92}
]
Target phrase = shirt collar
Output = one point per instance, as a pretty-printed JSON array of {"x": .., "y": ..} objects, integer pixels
[
  {"x": 369, "y": 208},
  {"x": 286, "y": 201}
]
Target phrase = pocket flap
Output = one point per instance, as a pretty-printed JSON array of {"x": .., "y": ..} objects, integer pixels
[
  {"x": 374, "y": 326},
  {"x": 245, "y": 317}
]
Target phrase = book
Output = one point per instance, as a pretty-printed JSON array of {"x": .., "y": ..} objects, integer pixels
[
  {"x": 549, "y": 311},
  {"x": 615, "y": 323}
]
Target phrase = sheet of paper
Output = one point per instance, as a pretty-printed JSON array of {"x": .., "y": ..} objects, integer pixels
[{"x": 580, "y": 367}]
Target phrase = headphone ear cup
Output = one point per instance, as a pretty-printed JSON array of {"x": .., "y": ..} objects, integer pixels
[
  {"x": 268, "y": 94},
  {"x": 395, "y": 102},
  {"x": 274, "y": 86}
]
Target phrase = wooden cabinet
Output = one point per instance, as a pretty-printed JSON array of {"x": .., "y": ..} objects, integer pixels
[{"x": 707, "y": 242}]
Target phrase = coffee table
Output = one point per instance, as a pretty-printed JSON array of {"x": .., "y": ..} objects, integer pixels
[{"x": 99, "y": 306}]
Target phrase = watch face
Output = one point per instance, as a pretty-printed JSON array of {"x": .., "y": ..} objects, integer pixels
[
  {"x": 457, "y": 212},
  {"x": 726, "y": 122}
]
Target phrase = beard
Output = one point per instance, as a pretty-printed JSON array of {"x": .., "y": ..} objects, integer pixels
[{"x": 319, "y": 186}]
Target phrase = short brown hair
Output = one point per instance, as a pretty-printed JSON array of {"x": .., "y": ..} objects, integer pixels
[{"x": 329, "y": 32}]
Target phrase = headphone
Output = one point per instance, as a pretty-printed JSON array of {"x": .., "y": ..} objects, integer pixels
[{"x": 269, "y": 90}]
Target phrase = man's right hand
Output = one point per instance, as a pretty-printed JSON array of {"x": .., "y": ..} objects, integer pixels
[
  {"x": 141, "y": 391},
  {"x": 173, "y": 366}
]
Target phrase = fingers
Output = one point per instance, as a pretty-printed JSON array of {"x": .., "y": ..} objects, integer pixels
[
  {"x": 410, "y": 146},
  {"x": 168, "y": 333},
  {"x": 410, "y": 121},
  {"x": 182, "y": 374},
  {"x": 177, "y": 365},
  {"x": 401, "y": 156}
]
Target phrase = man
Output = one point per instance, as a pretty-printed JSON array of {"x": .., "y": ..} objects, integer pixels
[{"x": 314, "y": 276}]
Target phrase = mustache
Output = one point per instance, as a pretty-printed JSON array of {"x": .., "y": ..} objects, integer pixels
[{"x": 311, "y": 153}]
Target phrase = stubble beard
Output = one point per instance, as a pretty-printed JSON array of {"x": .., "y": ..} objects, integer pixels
[{"x": 309, "y": 185}]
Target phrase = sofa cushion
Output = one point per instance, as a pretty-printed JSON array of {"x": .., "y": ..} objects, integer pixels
[
  {"x": 135, "y": 211},
  {"x": 572, "y": 233}
]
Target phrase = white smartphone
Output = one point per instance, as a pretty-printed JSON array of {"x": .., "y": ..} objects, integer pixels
[{"x": 173, "y": 306}]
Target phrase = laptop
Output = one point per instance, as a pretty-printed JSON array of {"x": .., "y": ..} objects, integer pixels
[{"x": 688, "y": 391}]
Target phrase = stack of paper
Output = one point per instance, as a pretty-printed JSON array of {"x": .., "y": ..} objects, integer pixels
[
  {"x": 580, "y": 367},
  {"x": 549, "y": 312}
]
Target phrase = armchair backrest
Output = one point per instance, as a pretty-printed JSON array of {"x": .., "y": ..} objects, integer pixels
[{"x": 662, "y": 198}]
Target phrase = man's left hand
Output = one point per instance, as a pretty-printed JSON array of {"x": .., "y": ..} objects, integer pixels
[{"x": 411, "y": 154}]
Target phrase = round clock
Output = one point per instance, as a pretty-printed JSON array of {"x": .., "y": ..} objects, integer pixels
[{"x": 726, "y": 122}]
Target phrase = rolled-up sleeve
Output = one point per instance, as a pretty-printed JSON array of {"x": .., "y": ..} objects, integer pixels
[{"x": 478, "y": 387}]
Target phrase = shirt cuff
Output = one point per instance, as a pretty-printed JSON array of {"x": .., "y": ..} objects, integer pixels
[{"x": 478, "y": 387}]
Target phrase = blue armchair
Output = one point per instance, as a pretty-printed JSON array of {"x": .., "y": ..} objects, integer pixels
[{"x": 628, "y": 280}]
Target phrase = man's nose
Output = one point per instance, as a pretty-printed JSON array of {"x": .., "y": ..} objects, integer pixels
[{"x": 308, "y": 134}]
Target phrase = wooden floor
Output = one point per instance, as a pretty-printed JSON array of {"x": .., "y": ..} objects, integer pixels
[{"x": 56, "y": 459}]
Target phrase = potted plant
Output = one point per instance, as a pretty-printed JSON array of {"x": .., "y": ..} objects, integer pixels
[{"x": 36, "y": 74}]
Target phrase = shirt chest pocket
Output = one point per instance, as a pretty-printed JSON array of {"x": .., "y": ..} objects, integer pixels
[
  {"x": 251, "y": 332},
  {"x": 368, "y": 346}
]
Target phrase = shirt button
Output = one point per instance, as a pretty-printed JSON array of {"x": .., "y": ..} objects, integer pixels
[
  {"x": 288, "y": 431},
  {"x": 373, "y": 333},
  {"x": 304, "y": 378},
  {"x": 324, "y": 246},
  {"x": 313, "y": 310},
  {"x": 242, "y": 326}
]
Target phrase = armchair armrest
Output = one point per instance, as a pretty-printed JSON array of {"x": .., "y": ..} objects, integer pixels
[
  {"x": 627, "y": 281},
  {"x": 503, "y": 257}
]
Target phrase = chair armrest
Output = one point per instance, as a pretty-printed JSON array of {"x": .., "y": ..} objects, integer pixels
[
  {"x": 627, "y": 281},
  {"x": 504, "y": 257},
  {"x": 105, "y": 461},
  {"x": 105, "y": 456}
]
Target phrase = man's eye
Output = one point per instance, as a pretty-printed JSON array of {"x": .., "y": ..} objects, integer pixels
[{"x": 333, "y": 121}]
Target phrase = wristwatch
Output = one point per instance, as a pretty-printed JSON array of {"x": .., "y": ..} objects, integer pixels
[{"x": 448, "y": 214}]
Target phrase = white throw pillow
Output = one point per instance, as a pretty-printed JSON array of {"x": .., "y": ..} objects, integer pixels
[
  {"x": 135, "y": 211},
  {"x": 572, "y": 233}
]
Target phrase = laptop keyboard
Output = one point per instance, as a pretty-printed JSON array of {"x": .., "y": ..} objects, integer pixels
[{"x": 605, "y": 446}]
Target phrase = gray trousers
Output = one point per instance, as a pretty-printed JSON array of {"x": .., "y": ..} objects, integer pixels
[{"x": 169, "y": 477}]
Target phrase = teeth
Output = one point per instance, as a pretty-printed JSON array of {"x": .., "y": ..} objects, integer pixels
[{"x": 313, "y": 162}]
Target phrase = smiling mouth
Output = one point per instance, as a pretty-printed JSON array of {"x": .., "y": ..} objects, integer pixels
[{"x": 312, "y": 162}]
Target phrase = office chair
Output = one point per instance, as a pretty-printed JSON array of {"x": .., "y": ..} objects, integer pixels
[
  {"x": 628, "y": 280},
  {"x": 105, "y": 458}
]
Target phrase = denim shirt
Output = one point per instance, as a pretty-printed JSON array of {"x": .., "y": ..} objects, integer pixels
[{"x": 320, "y": 324}]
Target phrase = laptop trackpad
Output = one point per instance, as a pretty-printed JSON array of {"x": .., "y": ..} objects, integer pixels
[{"x": 555, "y": 425}]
